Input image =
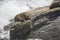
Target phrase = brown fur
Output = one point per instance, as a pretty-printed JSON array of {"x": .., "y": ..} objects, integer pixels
[
  {"x": 55, "y": 4},
  {"x": 22, "y": 17}
]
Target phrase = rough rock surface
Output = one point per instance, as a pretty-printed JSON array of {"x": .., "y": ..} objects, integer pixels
[
  {"x": 47, "y": 30},
  {"x": 55, "y": 4},
  {"x": 44, "y": 25}
]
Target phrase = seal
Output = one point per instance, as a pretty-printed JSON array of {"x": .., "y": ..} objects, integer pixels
[{"x": 21, "y": 17}]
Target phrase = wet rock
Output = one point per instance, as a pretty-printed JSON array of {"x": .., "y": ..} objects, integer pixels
[
  {"x": 48, "y": 32},
  {"x": 55, "y": 4},
  {"x": 48, "y": 29},
  {"x": 44, "y": 26},
  {"x": 20, "y": 31}
]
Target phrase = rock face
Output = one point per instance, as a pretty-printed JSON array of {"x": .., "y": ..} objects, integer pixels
[
  {"x": 47, "y": 29},
  {"x": 48, "y": 32},
  {"x": 55, "y": 4},
  {"x": 20, "y": 31},
  {"x": 44, "y": 25}
]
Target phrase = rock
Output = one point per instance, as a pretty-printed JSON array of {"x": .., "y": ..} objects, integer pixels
[
  {"x": 48, "y": 32},
  {"x": 20, "y": 31},
  {"x": 55, "y": 4},
  {"x": 43, "y": 25},
  {"x": 47, "y": 29},
  {"x": 8, "y": 27}
]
